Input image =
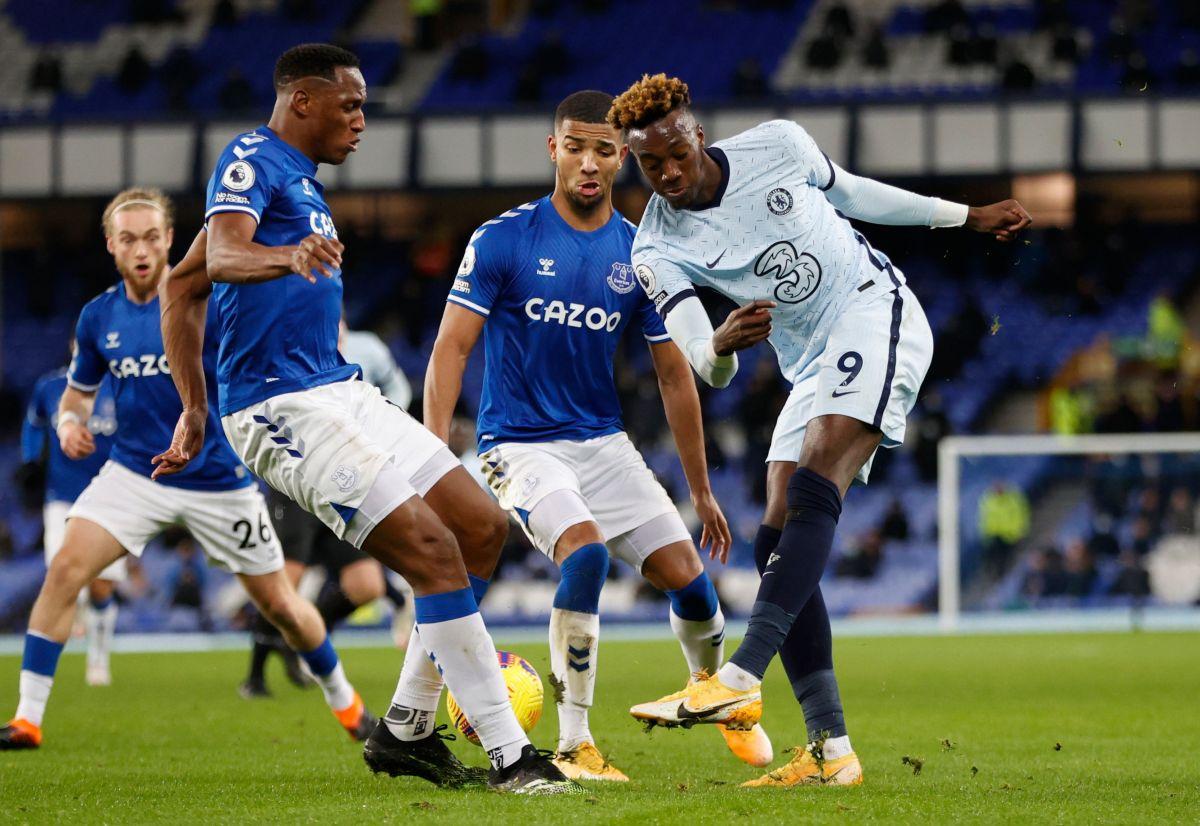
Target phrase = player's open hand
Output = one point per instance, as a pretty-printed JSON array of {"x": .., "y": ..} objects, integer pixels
[
  {"x": 715, "y": 532},
  {"x": 744, "y": 327},
  {"x": 185, "y": 444},
  {"x": 317, "y": 254},
  {"x": 1003, "y": 220},
  {"x": 76, "y": 440}
]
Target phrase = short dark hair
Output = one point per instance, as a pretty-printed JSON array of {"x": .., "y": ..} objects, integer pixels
[
  {"x": 588, "y": 106},
  {"x": 312, "y": 60}
]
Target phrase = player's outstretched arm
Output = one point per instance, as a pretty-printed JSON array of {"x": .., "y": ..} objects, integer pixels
[
  {"x": 682, "y": 405},
  {"x": 456, "y": 339},
  {"x": 74, "y": 410},
  {"x": 234, "y": 257},
  {"x": 690, "y": 329},
  {"x": 879, "y": 203},
  {"x": 183, "y": 300}
]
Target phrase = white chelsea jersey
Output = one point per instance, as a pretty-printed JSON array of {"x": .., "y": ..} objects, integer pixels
[{"x": 769, "y": 233}]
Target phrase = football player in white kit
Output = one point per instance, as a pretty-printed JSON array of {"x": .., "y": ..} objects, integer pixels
[{"x": 762, "y": 219}]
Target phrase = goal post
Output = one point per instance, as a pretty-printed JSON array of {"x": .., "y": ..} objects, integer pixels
[{"x": 953, "y": 449}]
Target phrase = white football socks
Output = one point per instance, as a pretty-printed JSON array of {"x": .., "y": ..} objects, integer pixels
[
  {"x": 339, "y": 694},
  {"x": 99, "y": 627},
  {"x": 414, "y": 705},
  {"x": 702, "y": 641},
  {"x": 466, "y": 654},
  {"x": 737, "y": 678},
  {"x": 35, "y": 693},
  {"x": 573, "y": 653},
  {"x": 836, "y": 747}
]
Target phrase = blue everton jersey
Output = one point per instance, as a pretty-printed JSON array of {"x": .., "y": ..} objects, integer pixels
[
  {"x": 557, "y": 301},
  {"x": 277, "y": 336},
  {"x": 65, "y": 478},
  {"x": 122, "y": 340}
]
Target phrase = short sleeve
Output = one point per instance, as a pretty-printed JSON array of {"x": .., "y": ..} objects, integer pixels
[
  {"x": 663, "y": 281},
  {"x": 87, "y": 364},
  {"x": 814, "y": 164},
  {"x": 481, "y": 273},
  {"x": 243, "y": 181},
  {"x": 653, "y": 328}
]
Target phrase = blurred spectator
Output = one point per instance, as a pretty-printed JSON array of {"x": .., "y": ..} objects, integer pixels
[
  {"x": 154, "y": 11},
  {"x": 1120, "y": 44},
  {"x": 1138, "y": 76},
  {"x": 300, "y": 10},
  {"x": 862, "y": 561},
  {"x": 945, "y": 15},
  {"x": 471, "y": 61},
  {"x": 551, "y": 56},
  {"x": 839, "y": 20},
  {"x": 1141, "y": 536},
  {"x": 824, "y": 52},
  {"x": 186, "y": 580},
  {"x": 749, "y": 80},
  {"x": 959, "y": 51},
  {"x": 46, "y": 74},
  {"x": 425, "y": 22},
  {"x": 1150, "y": 505},
  {"x": 1180, "y": 514},
  {"x": 1046, "y": 576},
  {"x": 1165, "y": 331},
  {"x": 757, "y": 413},
  {"x": 1065, "y": 46},
  {"x": 1132, "y": 579},
  {"x": 1018, "y": 77},
  {"x": 876, "y": 54},
  {"x": 1003, "y": 522},
  {"x": 6, "y": 540},
  {"x": 1116, "y": 414},
  {"x": 1187, "y": 72},
  {"x": 179, "y": 75},
  {"x": 134, "y": 71},
  {"x": 1080, "y": 569},
  {"x": 895, "y": 522},
  {"x": 225, "y": 14},
  {"x": 236, "y": 95},
  {"x": 1168, "y": 404},
  {"x": 932, "y": 427},
  {"x": 1103, "y": 542}
]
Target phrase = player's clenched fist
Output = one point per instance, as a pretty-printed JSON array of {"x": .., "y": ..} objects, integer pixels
[
  {"x": 1004, "y": 219},
  {"x": 75, "y": 439},
  {"x": 317, "y": 254},
  {"x": 744, "y": 327}
]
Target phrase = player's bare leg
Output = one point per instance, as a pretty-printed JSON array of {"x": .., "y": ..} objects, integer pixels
[
  {"x": 266, "y": 639},
  {"x": 304, "y": 631},
  {"x": 699, "y": 625},
  {"x": 87, "y": 550}
]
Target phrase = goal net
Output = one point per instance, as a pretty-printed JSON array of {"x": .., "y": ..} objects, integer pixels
[{"x": 1097, "y": 529}]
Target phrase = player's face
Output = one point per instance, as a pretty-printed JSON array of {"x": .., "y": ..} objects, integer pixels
[
  {"x": 337, "y": 107},
  {"x": 140, "y": 242},
  {"x": 586, "y": 158},
  {"x": 670, "y": 152}
]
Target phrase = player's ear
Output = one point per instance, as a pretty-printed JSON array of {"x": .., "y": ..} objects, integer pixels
[
  {"x": 109, "y": 245},
  {"x": 170, "y": 237},
  {"x": 552, "y": 148},
  {"x": 700, "y": 134},
  {"x": 301, "y": 101},
  {"x": 622, "y": 154}
]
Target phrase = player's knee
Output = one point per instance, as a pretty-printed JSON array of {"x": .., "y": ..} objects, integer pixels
[
  {"x": 68, "y": 572},
  {"x": 494, "y": 530},
  {"x": 282, "y": 609}
]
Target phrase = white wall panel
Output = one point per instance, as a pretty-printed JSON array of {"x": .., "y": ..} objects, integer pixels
[
  {"x": 1116, "y": 135},
  {"x": 966, "y": 139},
  {"x": 92, "y": 160},
  {"x": 25, "y": 161},
  {"x": 519, "y": 154},
  {"x": 1039, "y": 137},
  {"x": 892, "y": 140},
  {"x": 451, "y": 152},
  {"x": 162, "y": 155}
]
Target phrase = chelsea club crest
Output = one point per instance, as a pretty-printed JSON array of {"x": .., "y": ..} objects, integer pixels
[{"x": 621, "y": 278}]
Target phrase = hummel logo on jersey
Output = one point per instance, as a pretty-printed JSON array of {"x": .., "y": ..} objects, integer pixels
[
  {"x": 547, "y": 266},
  {"x": 112, "y": 341},
  {"x": 714, "y": 262}
]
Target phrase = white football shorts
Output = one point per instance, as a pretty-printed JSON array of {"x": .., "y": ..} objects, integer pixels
[
  {"x": 325, "y": 447},
  {"x": 874, "y": 361},
  {"x": 232, "y": 526},
  {"x": 54, "y": 530},
  {"x": 550, "y": 486}
]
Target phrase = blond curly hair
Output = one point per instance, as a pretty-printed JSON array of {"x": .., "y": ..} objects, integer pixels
[
  {"x": 139, "y": 197},
  {"x": 651, "y": 98}
]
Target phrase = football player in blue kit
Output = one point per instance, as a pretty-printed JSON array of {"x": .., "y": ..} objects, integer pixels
[
  {"x": 762, "y": 218},
  {"x": 303, "y": 420},
  {"x": 550, "y": 287},
  {"x": 118, "y": 339},
  {"x": 63, "y": 480}
]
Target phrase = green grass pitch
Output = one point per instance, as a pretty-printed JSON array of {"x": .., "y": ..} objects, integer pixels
[{"x": 1062, "y": 728}]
